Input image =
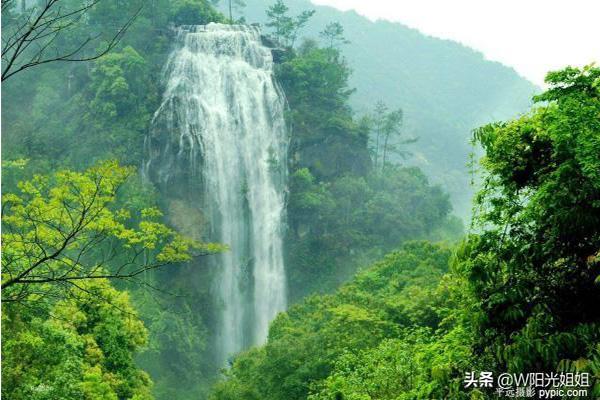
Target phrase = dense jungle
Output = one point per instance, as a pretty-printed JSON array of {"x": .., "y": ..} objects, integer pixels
[{"x": 275, "y": 200}]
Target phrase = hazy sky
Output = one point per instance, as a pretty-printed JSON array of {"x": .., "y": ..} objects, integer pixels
[{"x": 533, "y": 36}]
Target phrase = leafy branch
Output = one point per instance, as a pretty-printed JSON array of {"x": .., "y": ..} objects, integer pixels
[
  {"x": 66, "y": 228},
  {"x": 36, "y": 36}
]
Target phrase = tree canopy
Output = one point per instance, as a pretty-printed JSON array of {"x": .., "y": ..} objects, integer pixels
[
  {"x": 535, "y": 266},
  {"x": 285, "y": 27},
  {"x": 77, "y": 348},
  {"x": 63, "y": 229},
  {"x": 519, "y": 295}
]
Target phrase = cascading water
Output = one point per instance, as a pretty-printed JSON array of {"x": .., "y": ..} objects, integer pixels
[{"x": 221, "y": 127}]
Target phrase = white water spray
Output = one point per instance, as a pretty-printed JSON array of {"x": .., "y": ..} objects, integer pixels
[{"x": 223, "y": 117}]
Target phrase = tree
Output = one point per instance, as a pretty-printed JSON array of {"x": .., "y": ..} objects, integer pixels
[
  {"x": 75, "y": 348},
  {"x": 392, "y": 127},
  {"x": 43, "y": 34},
  {"x": 362, "y": 338},
  {"x": 279, "y": 20},
  {"x": 286, "y": 28},
  {"x": 64, "y": 229},
  {"x": 341, "y": 213},
  {"x": 299, "y": 22},
  {"x": 535, "y": 266},
  {"x": 194, "y": 12},
  {"x": 333, "y": 34},
  {"x": 326, "y": 138},
  {"x": 378, "y": 121},
  {"x": 238, "y": 5},
  {"x": 387, "y": 126}
]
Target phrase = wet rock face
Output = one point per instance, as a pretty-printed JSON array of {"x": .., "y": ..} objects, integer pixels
[
  {"x": 268, "y": 41},
  {"x": 277, "y": 52},
  {"x": 279, "y": 55}
]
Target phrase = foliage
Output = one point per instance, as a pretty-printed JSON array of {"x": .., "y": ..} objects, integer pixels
[
  {"x": 333, "y": 34},
  {"x": 342, "y": 211},
  {"x": 334, "y": 346},
  {"x": 520, "y": 295},
  {"x": 386, "y": 126},
  {"x": 117, "y": 85},
  {"x": 194, "y": 12},
  {"x": 535, "y": 267},
  {"x": 104, "y": 106},
  {"x": 75, "y": 348},
  {"x": 286, "y": 28},
  {"x": 316, "y": 86},
  {"x": 64, "y": 229},
  {"x": 361, "y": 211},
  {"x": 177, "y": 356},
  {"x": 341, "y": 214},
  {"x": 46, "y": 32},
  {"x": 63, "y": 236},
  {"x": 72, "y": 116}
]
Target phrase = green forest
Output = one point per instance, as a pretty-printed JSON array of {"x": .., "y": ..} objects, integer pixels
[{"x": 118, "y": 225}]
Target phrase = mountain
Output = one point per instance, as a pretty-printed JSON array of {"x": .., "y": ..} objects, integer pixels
[{"x": 445, "y": 89}]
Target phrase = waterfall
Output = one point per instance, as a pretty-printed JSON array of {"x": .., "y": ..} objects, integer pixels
[{"x": 220, "y": 128}]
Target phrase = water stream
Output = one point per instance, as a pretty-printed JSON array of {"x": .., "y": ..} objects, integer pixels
[{"x": 221, "y": 126}]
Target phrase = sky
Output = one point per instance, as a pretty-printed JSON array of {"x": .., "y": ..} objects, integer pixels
[{"x": 532, "y": 36}]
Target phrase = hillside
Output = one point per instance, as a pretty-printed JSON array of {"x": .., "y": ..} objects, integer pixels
[{"x": 444, "y": 88}]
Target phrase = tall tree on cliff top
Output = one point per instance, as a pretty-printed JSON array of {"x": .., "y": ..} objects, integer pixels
[
  {"x": 333, "y": 34},
  {"x": 285, "y": 27}
]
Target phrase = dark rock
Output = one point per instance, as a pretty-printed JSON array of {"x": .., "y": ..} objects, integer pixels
[
  {"x": 268, "y": 41},
  {"x": 279, "y": 55}
]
